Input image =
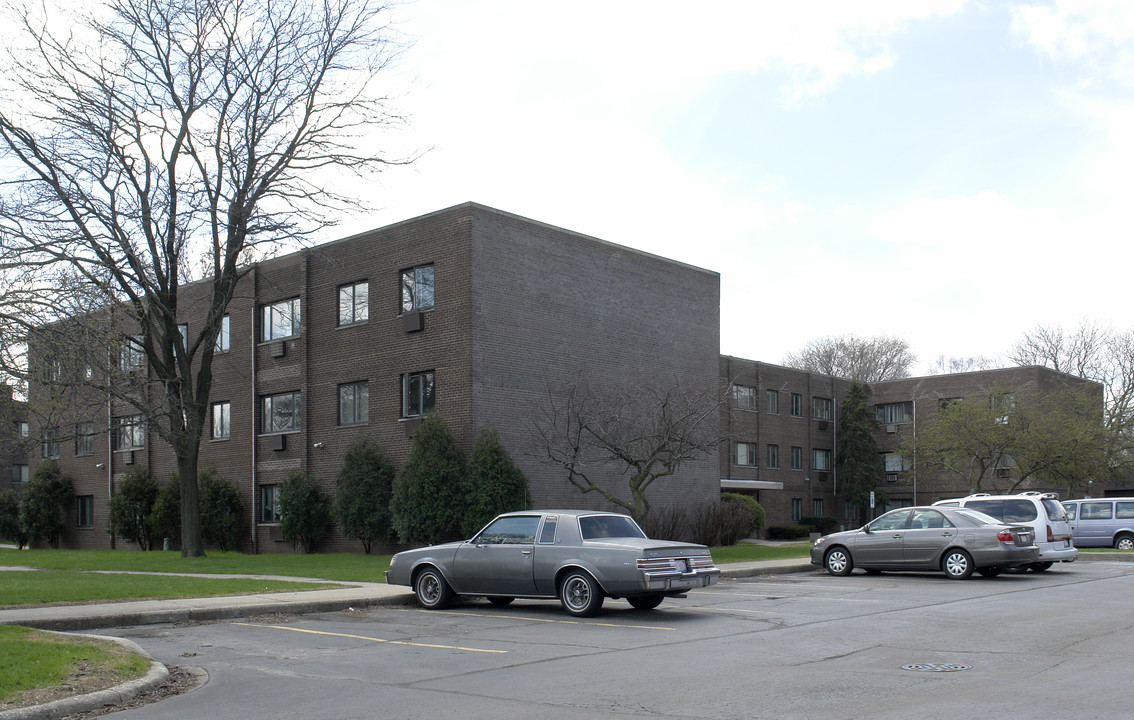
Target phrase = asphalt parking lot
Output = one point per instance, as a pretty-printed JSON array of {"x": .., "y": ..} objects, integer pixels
[{"x": 789, "y": 646}]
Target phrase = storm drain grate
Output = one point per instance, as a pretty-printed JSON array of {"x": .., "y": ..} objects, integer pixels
[{"x": 937, "y": 667}]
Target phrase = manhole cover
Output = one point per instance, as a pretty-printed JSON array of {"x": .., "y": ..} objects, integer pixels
[{"x": 936, "y": 667}]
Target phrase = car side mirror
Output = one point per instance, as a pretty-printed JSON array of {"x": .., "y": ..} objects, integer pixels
[{"x": 866, "y": 529}]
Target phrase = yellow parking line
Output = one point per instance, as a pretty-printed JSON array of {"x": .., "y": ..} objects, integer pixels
[
  {"x": 373, "y": 639},
  {"x": 546, "y": 620}
]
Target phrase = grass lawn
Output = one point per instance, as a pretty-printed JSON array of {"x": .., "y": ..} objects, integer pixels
[
  {"x": 748, "y": 552},
  {"x": 32, "y": 659},
  {"x": 33, "y": 587}
]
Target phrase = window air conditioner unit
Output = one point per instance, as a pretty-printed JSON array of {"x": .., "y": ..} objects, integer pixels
[
  {"x": 892, "y": 477},
  {"x": 277, "y": 442},
  {"x": 891, "y": 429},
  {"x": 822, "y": 425},
  {"x": 821, "y": 476},
  {"x": 413, "y": 322},
  {"x": 128, "y": 457},
  {"x": 1003, "y": 472},
  {"x": 279, "y": 349}
]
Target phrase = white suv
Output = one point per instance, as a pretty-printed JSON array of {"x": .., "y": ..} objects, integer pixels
[{"x": 1041, "y": 511}]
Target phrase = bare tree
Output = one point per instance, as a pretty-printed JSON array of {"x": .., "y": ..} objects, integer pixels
[
  {"x": 639, "y": 435},
  {"x": 948, "y": 365},
  {"x": 1092, "y": 352},
  {"x": 860, "y": 359},
  {"x": 159, "y": 142}
]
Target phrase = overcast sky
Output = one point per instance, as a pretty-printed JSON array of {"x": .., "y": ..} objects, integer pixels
[{"x": 952, "y": 173}]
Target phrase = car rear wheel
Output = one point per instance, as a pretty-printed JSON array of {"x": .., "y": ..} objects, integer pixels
[
  {"x": 990, "y": 571},
  {"x": 432, "y": 591},
  {"x": 500, "y": 600},
  {"x": 838, "y": 561},
  {"x": 579, "y": 594},
  {"x": 645, "y": 602},
  {"x": 957, "y": 565},
  {"x": 1124, "y": 542},
  {"x": 1040, "y": 566}
]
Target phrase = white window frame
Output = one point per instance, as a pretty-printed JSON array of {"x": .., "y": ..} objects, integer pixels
[
  {"x": 280, "y": 320},
  {"x": 272, "y": 415},
  {"x": 224, "y": 336},
  {"x": 414, "y": 281},
  {"x": 354, "y": 303},
  {"x": 127, "y": 432},
  {"x": 354, "y": 403},
  {"x": 222, "y": 421}
]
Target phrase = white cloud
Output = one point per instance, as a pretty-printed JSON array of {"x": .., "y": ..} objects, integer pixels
[{"x": 1094, "y": 34}]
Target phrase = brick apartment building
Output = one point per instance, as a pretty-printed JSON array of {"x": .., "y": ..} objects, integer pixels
[
  {"x": 469, "y": 312},
  {"x": 14, "y": 437},
  {"x": 475, "y": 314}
]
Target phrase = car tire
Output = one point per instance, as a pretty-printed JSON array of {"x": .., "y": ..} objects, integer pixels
[
  {"x": 580, "y": 594},
  {"x": 957, "y": 564},
  {"x": 432, "y": 590},
  {"x": 1040, "y": 566},
  {"x": 645, "y": 602},
  {"x": 990, "y": 571},
  {"x": 1124, "y": 542},
  {"x": 500, "y": 600},
  {"x": 838, "y": 561}
]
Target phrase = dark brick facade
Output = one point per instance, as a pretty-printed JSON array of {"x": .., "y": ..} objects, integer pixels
[
  {"x": 519, "y": 307},
  {"x": 14, "y": 464}
]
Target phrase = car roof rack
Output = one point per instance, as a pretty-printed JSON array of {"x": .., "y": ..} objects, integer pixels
[{"x": 979, "y": 495}]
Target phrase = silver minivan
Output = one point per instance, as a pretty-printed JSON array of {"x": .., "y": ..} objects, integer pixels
[
  {"x": 1102, "y": 522},
  {"x": 1041, "y": 511}
]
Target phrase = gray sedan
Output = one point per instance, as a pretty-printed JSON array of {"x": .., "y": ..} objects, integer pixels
[
  {"x": 577, "y": 556},
  {"x": 955, "y": 541}
]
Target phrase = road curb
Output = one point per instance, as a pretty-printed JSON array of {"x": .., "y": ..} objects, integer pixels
[{"x": 116, "y": 695}]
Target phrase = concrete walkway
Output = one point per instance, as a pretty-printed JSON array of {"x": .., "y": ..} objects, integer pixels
[{"x": 358, "y": 595}]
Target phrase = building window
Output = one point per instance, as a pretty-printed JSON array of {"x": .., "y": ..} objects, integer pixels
[
  {"x": 354, "y": 303},
  {"x": 280, "y": 413},
  {"x": 772, "y": 402},
  {"x": 744, "y": 397},
  {"x": 84, "y": 511},
  {"x": 23, "y": 430},
  {"x": 417, "y": 288},
  {"x": 127, "y": 433},
  {"x": 269, "y": 503},
  {"x": 222, "y": 421},
  {"x": 820, "y": 459},
  {"x": 796, "y": 457},
  {"x": 20, "y": 474},
  {"x": 183, "y": 331},
  {"x": 744, "y": 454},
  {"x": 1002, "y": 407},
  {"x": 895, "y": 462},
  {"x": 892, "y": 413},
  {"x": 774, "y": 456},
  {"x": 224, "y": 336},
  {"x": 946, "y": 403},
  {"x": 280, "y": 320},
  {"x": 50, "y": 447},
  {"x": 52, "y": 371},
  {"x": 418, "y": 394},
  {"x": 796, "y": 509},
  {"x": 821, "y": 408},
  {"x": 796, "y": 405},
  {"x": 84, "y": 438},
  {"x": 130, "y": 355},
  {"x": 354, "y": 403},
  {"x": 817, "y": 507}
]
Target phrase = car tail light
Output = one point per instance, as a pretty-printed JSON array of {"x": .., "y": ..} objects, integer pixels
[
  {"x": 1004, "y": 536},
  {"x": 1050, "y": 534}
]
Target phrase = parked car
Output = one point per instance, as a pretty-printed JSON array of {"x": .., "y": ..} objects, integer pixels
[
  {"x": 1102, "y": 522},
  {"x": 1041, "y": 511},
  {"x": 577, "y": 556},
  {"x": 952, "y": 540}
]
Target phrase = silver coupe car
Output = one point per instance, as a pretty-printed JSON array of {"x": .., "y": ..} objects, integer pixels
[
  {"x": 955, "y": 541},
  {"x": 577, "y": 556}
]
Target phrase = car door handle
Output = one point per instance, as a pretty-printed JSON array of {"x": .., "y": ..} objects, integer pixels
[
  {"x": 898, "y": 536},
  {"x": 525, "y": 552},
  {"x": 946, "y": 534}
]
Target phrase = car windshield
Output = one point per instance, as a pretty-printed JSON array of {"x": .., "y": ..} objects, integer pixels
[
  {"x": 596, "y": 527},
  {"x": 977, "y": 517}
]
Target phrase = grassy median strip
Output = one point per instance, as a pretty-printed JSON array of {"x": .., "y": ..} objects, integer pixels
[
  {"x": 36, "y": 587},
  {"x": 32, "y": 661}
]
